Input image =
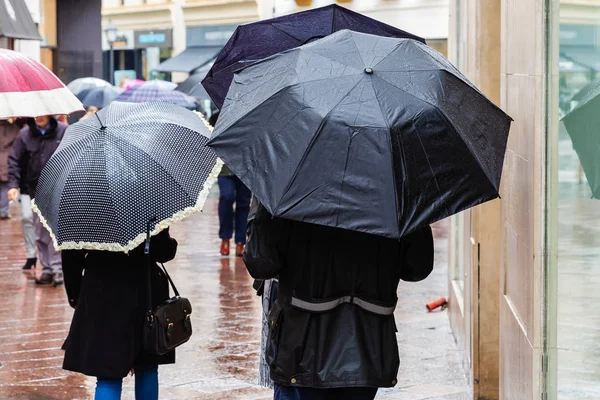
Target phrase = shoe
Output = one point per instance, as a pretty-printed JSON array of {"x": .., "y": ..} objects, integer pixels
[
  {"x": 239, "y": 250},
  {"x": 45, "y": 279},
  {"x": 4, "y": 217},
  {"x": 57, "y": 279},
  {"x": 225, "y": 247},
  {"x": 30, "y": 263}
]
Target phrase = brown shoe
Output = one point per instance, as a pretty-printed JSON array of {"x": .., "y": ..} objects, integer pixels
[
  {"x": 225, "y": 247},
  {"x": 239, "y": 249}
]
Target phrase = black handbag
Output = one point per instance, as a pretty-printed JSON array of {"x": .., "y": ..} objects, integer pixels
[{"x": 170, "y": 324}]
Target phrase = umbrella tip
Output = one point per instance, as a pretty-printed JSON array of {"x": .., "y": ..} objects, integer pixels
[{"x": 368, "y": 71}]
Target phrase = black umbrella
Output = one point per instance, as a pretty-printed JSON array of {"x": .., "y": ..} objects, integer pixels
[
  {"x": 192, "y": 86},
  {"x": 257, "y": 40},
  {"x": 99, "y": 97},
  {"x": 362, "y": 132},
  {"x": 583, "y": 126},
  {"x": 114, "y": 172}
]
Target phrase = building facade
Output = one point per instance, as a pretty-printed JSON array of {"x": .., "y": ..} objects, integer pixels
[
  {"x": 151, "y": 32},
  {"x": 526, "y": 269}
]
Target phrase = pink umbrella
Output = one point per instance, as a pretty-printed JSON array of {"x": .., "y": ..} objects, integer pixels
[
  {"x": 29, "y": 89},
  {"x": 129, "y": 83}
]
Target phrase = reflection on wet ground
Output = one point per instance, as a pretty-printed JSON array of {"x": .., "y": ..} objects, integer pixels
[
  {"x": 221, "y": 359},
  {"x": 578, "y": 282}
]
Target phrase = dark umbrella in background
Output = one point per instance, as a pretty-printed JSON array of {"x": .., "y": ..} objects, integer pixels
[
  {"x": 157, "y": 91},
  {"x": 257, "y": 40},
  {"x": 79, "y": 85},
  {"x": 114, "y": 172},
  {"x": 99, "y": 97},
  {"x": 362, "y": 132},
  {"x": 583, "y": 126},
  {"x": 192, "y": 86}
]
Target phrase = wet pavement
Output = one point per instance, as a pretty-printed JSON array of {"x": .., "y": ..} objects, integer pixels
[{"x": 220, "y": 360}]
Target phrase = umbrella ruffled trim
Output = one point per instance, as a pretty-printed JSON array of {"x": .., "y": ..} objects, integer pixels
[{"x": 138, "y": 240}]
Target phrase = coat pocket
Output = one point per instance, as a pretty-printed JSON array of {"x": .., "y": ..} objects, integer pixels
[{"x": 275, "y": 320}]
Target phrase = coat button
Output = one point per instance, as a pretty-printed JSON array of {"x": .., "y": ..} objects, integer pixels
[
  {"x": 394, "y": 382},
  {"x": 293, "y": 380}
]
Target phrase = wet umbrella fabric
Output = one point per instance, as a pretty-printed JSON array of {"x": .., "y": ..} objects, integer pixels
[
  {"x": 582, "y": 125},
  {"x": 257, "y": 40},
  {"x": 362, "y": 132},
  {"x": 156, "y": 91},
  {"x": 113, "y": 173},
  {"x": 99, "y": 97},
  {"x": 29, "y": 89}
]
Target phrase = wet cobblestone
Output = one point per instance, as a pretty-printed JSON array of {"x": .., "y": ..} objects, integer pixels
[{"x": 221, "y": 359}]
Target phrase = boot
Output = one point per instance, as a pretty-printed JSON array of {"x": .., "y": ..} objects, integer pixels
[
  {"x": 30, "y": 263},
  {"x": 57, "y": 279},
  {"x": 225, "y": 247},
  {"x": 45, "y": 279},
  {"x": 239, "y": 249}
]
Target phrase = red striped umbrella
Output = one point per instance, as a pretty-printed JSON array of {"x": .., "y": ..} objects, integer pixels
[{"x": 29, "y": 89}]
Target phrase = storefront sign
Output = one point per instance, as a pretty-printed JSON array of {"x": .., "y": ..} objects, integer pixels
[
  {"x": 124, "y": 41},
  {"x": 209, "y": 35},
  {"x": 156, "y": 38}
]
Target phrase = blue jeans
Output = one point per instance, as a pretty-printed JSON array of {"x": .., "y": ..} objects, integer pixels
[
  {"x": 233, "y": 190},
  {"x": 303, "y": 393},
  {"x": 146, "y": 386}
]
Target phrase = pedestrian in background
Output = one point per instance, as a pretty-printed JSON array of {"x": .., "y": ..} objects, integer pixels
[
  {"x": 332, "y": 333},
  {"x": 32, "y": 148},
  {"x": 108, "y": 291},
  {"x": 8, "y": 134},
  {"x": 232, "y": 190}
]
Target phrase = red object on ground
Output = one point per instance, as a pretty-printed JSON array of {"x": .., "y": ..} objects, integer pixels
[
  {"x": 441, "y": 302},
  {"x": 29, "y": 89}
]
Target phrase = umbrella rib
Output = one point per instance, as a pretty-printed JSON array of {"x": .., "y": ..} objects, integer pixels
[
  {"x": 389, "y": 137},
  {"x": 475, "y": 157},
  {"x": 312, "y": 141}
]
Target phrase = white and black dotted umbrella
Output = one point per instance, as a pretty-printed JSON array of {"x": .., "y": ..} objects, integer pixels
[{"x": 113, "y": 173}]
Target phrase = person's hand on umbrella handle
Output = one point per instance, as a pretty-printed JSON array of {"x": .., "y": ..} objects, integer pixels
[{"x": 13, "y": 195}]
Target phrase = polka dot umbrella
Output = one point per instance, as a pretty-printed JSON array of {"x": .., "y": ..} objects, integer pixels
[
  {"x": 114, "y": 173},
  {"x": 29, "y": 89}
]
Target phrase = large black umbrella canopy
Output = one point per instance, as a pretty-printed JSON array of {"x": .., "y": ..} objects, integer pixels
[
  {"x": 583, "y": 126},
  {"x": 362, "y": 132},
  {"x": 114, "y": 172},
  {"x": 257, "y": 40}
]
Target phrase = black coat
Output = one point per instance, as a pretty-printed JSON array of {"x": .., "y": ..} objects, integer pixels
[
  {"x": 106, "y": 335},
  {"x": 347, "y": 346},
  {"x": 29, "y": 154}
]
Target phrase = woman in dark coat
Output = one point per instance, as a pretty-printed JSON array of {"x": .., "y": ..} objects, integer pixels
[
  {"x": 332, "y": 329},
  {"x": 108, "y": 291}
]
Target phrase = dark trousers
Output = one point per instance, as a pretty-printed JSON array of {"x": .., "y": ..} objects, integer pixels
[
  {"x": 301, "y": 393},
  {"x": 233, "y": 190}
]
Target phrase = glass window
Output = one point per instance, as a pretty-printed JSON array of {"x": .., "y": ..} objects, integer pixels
[{"x": 573, "y": 182}]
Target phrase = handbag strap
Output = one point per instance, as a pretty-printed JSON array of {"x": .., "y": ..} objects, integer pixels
[{"x": 170, "y": 280}]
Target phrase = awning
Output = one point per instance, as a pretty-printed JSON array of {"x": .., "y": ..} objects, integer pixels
[
  {"x": 190, "y": 59},
  {"x": 581, "y": 57},
  {"x": 16, "y": 21}
]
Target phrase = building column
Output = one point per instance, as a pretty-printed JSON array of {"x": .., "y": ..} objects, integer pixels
[{"x": 179, "y": 36}]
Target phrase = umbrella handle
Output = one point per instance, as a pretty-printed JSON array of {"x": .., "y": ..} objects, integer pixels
[{"x": 147, "y": 247}]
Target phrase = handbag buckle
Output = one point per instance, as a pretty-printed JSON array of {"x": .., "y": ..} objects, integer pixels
[{"x": 169, "y": 330}]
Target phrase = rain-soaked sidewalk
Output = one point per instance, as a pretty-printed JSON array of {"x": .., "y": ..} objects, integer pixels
[{"x": 220, "y": 360}]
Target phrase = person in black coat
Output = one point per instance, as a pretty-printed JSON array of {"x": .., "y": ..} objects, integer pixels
[
  {"x": 108, "y": 291},
  {"x": 332, "y": 329}
]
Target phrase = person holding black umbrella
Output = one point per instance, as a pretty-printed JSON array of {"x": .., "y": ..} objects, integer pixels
[{"x": 333, "y": 333}]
